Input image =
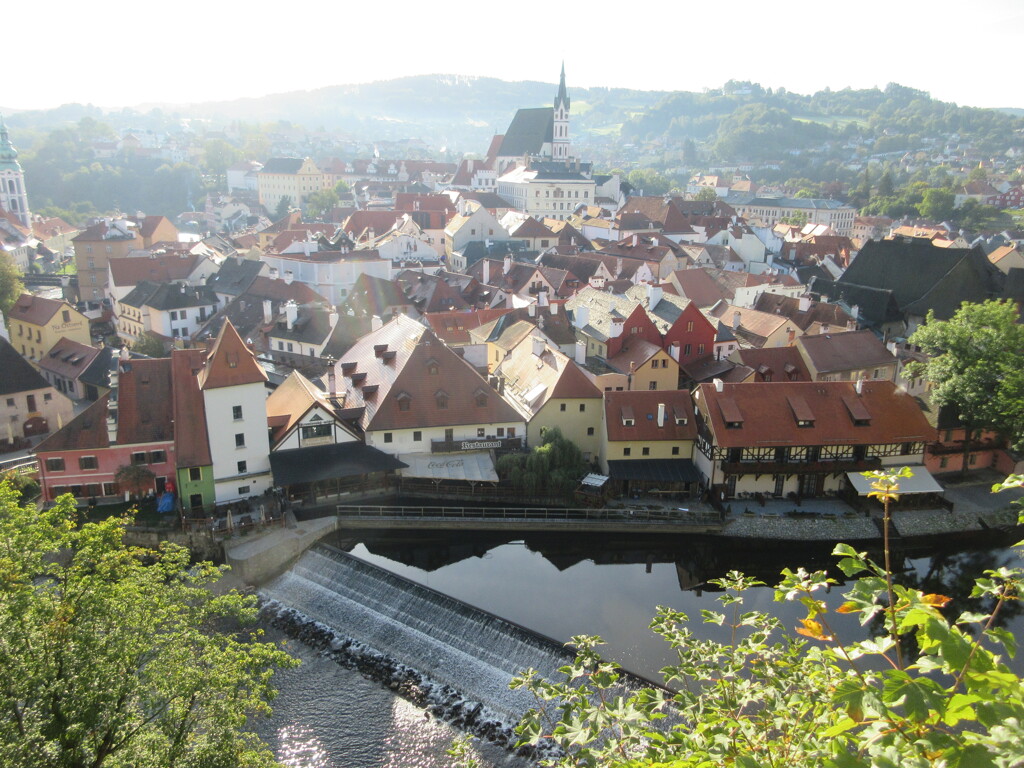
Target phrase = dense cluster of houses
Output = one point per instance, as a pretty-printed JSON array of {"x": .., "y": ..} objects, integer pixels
[{"x": 685, "y": 345}]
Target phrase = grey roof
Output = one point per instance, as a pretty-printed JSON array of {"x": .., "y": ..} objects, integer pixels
[
  {"x": 168, "y": 296},
  {"x": 322, "y": 462},
  {"x": 235, "y": 276},
  {"x": 925, "y": 277},
  {"x": 282, "y": 165},
  {"x": 806, "y": 203},
  {"x": 19, "y": 375},
  {"x": 98, "y": 371},
  {"x": 877, "y": 306},
  {"x": 529, "y": 130}
]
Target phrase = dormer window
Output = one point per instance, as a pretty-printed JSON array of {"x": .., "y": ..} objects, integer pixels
[
  {"x": 404, "y": 401},
  {"x": 481, "y": 398},
  {"x": 441, "y": 398},
  {"x": 432, "y": 367}
]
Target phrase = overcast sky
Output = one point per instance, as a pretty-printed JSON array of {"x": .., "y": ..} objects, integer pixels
[{"x": 116, "y": 53}]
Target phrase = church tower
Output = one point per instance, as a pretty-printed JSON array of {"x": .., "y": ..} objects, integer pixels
[
  {"x": 560, "y": 130},
  {"x": 13, "y": 197}
]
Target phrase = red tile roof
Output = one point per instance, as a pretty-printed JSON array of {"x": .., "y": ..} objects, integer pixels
[
  {"x": 131, "y": 270},
  {"x": 230, "y": 362},
  {"x": 36, "y": 310},
  {"x": 642, "y": 407},
  {"x": 68, "y": 358},
  {"x": 143, "y": 395},
  {"x": 192, "y": 445},
  {"x": 766, "y": 415}
]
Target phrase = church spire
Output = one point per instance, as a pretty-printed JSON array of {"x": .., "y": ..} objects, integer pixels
[
  {"x": 13, "y": 197},
  {"x": 563, "y": 96}
]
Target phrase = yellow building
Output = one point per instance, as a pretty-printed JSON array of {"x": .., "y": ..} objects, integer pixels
[
  {"x": 646, "y": 366},
  {"x": 35, "y": 324},
  {"x": 648, "y": 441},
  {"x": 550, "y": 390},
  {"x": 114, "y": 239},
  {"x": 291, "y": 177}
]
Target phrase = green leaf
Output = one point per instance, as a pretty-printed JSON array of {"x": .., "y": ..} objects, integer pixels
[{"x": 1005, "y": 637}]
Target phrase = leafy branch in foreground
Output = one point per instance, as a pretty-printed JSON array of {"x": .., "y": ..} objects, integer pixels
[
  {"x": 765, "y": 697},
  {"x": 119, "y": 656}
]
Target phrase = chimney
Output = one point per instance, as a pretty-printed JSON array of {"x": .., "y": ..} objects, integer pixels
[
  {"x": 332, "y": 382},
  {"x": 542, "y": 298},
  {"x": 661, "y": 414},
  {"x": 824, "y": 328},
  {"x": 636, "y": 240},
  {"x": 892, "y": 347},
  {"x": 737, "y": 317},
  {"x": 805, "y": 303},
  {"x": 859, "y": 386},
  {"x": 581, "y": 352},
  {"x": 289, "y": 276},
  {"x": 508, "y": 265},
  {"x": 719, "y": 385},
  {"x": 855, "y": 312},
  {"x": 653, "y": 295},
  {"x": 532, "y": 310},
  {"x": 581, "y": 317},
  {"x": 487, "y": 272},
  {"x": 673, "y": 350},
  {"x": 268, "y": 312},
  {"x": 790, "y": 336},
  {"x": 539, "y": 345},
  {"x": 615, "y": 330},
  {"x": 376, "y": 323},
  {"x": 553, "y": 309},
  {"x": 332, "y": 318},
  {"x": 291, "y": 313}
]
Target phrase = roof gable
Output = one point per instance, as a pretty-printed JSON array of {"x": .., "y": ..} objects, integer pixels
[{"x": 230, "y": 363}]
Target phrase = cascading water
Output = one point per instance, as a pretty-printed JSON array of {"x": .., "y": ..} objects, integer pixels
[{"x": 445, "y": 640}]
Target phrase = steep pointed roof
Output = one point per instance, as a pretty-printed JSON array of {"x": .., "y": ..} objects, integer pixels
[
  {"x": 230, "y": 363},
  {"x": 563, "y": 96}
]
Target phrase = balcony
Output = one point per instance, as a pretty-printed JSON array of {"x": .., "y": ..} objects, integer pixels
[
  {"x": 476, "y": 444},
  {"x": 939, "y": 448},
  {"x": 800, "y": 467}
]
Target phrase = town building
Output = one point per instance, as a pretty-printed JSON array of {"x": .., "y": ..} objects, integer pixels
[
  {"x": 29, "y": 404},
  {"x": 35, "y": 324},
  {"x": 294, "y": 178},
  {"x": 110, "y": 238}
]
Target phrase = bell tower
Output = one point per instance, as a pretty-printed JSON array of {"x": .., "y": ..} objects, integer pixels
[
  {"x": 13, "y": 197},
  {"x": 560, "y": 128}
]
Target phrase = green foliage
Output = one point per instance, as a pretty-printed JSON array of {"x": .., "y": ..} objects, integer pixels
[
  {"x": 706, "y": 194},
  {"x": 554, "y": 467},
  {"x": 648, "y": 181},
  {"x": 149, "y": 345},
  {"x": 118, "y": 656},
  {"x": 284, "y": 205},
  {"x": 11, "y": 286},
  {"x": 976, "y": 365},
  {"x": 937, "y": 204},
  {"x": 765, "y": 697},
  {"x": 320, "y": 202}
]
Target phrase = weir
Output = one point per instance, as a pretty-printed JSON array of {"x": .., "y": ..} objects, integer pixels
[{"x": 446, "y": 640}]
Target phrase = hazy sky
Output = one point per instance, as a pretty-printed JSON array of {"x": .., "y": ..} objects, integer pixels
[{"x": 115, "y": 53}]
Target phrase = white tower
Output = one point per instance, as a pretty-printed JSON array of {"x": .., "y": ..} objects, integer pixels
[
  {"x": 13, "y": 197},
  {"x": 560, "y": 130}
]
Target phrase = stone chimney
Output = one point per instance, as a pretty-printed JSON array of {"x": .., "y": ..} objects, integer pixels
[
  {"x": 790, "y": 336},
  {"x": 332, "y": 381},
  {"x": 539, "y": 345},
  {"x": 376, "y": 323},
  {"x": 553, "y": 308},
  {"x": 805, "y": 303},
  {"x": 859, "y": 386},
  {"x": 661, "y": 414},
  {"x": 737, "y": 318},
  {"x": 581, "y": 352},
  {"x": 719, "y": 385},
  {"x": 615, "y": 330},
  {"x": 487, "y": 272},
  {"x": 532, "y": 310},
  {"x": 581, "y": 316},
  {"x": 673, "y": 350},
  {"x": 268, "y": 312},
  {"x": 289, "y": 277},
  {"x": 654, "y": 293},
  {"x": 332, "y": 318},
  {"x": 291, "y": 313},
  {"x": 508, "y": 265}
]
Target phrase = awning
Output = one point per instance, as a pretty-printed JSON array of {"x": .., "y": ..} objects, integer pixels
[
  {"x": 921, "y": 481},
  {"x": 476, "y": 466},
  {"x": 655, "y": 470},
  {"x": 594, "y": 480},
  {"x": 328, "y": 462}
]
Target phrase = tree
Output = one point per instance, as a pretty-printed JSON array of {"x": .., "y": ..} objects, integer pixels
[
  {"x": 149, "y": 345},
  {"x": 765, "y": 697},
  {"x": 320, "y": 202},
  {"x": 706, "y": 194},
  {"x": 219, "y": 155},
  {"x": 135, "y": 478},
  {"x": 119, "y": 656},
  {"x": 284, "y": 205},
  {"x": 976, "y": 367},
  {"x": 649, "y": 181},
  {"x": 11, "y": 286},
  {"x": 937, "y": 204},
  {"x": 886, "y": 188}
]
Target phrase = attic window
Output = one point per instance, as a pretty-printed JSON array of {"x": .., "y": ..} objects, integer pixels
[
  {"x": 357, "y": 377},
  {"x": 627, "y": 417},
  {"x": 379, "y": 349},
  {"x": 370, "y": 390},
  {"x": 388, "y": 356},
  {"x": 441, "y": 398},
  {"x": 404, "y": 401},
  {"x": 432, "y": 367},
  {"x": 232, "y": 359},
  {"x": 348, "y": 368},
  {"x": 858, "y": 411},
  {"x": 730, "y": 413},
  {"x": 801, "y": 411},
  {"x": 481, "y": 398}
]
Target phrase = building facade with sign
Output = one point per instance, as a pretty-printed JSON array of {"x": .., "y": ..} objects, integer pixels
[{"x": 36, "y": 324}]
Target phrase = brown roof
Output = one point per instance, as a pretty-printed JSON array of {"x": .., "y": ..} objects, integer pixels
[
  {"x": 148, "y": 224},
  {"x": 35, "y": 309},
  {"x": 530, "y": 227},
  {"x": 766, "y": 415},
  {"x": 230, "y": 362},
  {"x": 191, "y": 440},
  {"x": 698, "y": 287},
  {"x": 454, "y": 327},
  {"x": 635, "y": 352},
  {"x": 291, "y": 401},
  {"x": 755, "y": 326},
  {"x": 407, "y": 373},
  {"x": 87, "y": 430},
  {"x": 131, "y": 270},
  {"x": 774, "y": 363},
  {"x": 68, "y": 358},
  {"x": 642, "y": 407},
  {"x": 143, "y": 394},
  {"x": 845, "y": 351},
  {"x": 820, "y": 312}
]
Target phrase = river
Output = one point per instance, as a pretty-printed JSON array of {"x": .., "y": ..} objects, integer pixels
[{"x": 558, "y": 586}]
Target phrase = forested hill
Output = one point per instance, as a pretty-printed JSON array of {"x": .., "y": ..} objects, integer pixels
[{"x": 743, "y": 121}]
